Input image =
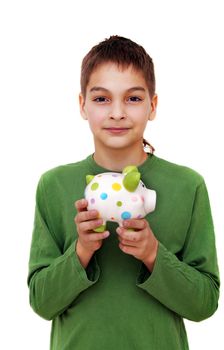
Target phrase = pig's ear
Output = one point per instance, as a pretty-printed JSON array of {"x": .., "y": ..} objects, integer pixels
[
  {"x": 131, "y": 181},
  {"x": 129, "y": 169},
  {"x": 89, "y": 178}
]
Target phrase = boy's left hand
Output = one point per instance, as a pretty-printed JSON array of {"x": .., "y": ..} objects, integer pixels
[{"x": 139, "y": 242}]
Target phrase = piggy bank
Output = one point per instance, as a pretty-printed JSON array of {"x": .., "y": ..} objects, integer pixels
[{"x": 119, "y": 196}]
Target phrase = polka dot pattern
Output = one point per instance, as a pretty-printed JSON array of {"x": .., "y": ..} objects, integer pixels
[
  {"x": 126, "y": 215},
  {"x": 103, "y": 196},
  {"x": 118, "y": 205},
  {"x": 94, "y": 186},
  {"x": 116, "y": 186}
]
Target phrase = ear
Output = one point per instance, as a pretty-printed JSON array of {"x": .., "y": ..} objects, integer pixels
[
  {"x": 89, "y": 178},
  {"x": 82, "y": 106},
  {"x": 154, "y": 102},
  {"x": 129, "y": 169},
  {"x": 131, "y": 180}
]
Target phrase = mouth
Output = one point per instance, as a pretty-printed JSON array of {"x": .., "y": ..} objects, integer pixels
[{"x": 116, "y": 130}]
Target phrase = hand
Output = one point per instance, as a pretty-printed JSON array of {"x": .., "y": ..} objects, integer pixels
[
  {"x": 139, "y": 242},
  {"x": 88, "y": 240}
]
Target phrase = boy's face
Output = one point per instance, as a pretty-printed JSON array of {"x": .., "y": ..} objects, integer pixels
[{"x": 117, "y": 106}]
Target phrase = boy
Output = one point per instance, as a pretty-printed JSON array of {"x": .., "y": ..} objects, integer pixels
[{"x": 120, "y": 289}]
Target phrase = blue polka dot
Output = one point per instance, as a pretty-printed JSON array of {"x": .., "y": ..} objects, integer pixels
[
  {"x": 126, "y": 215},
  {"x": 103, "y": 196}
]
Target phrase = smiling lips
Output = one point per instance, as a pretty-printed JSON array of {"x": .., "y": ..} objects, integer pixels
[{"x": 116, "y": 130}]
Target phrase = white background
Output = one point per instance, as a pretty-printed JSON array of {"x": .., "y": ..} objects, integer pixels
[{"x": 42, "y": 45}]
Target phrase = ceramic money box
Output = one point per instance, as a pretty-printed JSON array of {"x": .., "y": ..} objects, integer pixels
[{"x": 119, "y": 196}]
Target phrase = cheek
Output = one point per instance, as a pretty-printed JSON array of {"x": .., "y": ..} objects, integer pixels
[
  {"x": 95, "y": 117},
  {"x": 140, "y": 119},
  {"x": 138, "y": 112}
]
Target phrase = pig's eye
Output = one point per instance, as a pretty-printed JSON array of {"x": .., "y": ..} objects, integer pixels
[{"x": 143, "y": 185}]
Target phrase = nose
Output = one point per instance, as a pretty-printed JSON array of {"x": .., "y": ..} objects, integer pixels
[
  {"x": 117, "y": 117},
  {"x": 150, "y": 201},
  {"x": 117, "y": 112}
]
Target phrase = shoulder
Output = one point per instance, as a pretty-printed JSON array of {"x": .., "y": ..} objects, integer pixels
[
  {"x": 178, "y": 173},
  {"x": 63, "y": 173}
]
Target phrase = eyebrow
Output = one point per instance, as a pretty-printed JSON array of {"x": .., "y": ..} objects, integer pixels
[{"x": 100, "y": 88}]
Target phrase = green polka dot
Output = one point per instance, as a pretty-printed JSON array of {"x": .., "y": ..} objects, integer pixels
[
  {"x": 119, "y": 203},
  {"x": 94, "y": 186}
]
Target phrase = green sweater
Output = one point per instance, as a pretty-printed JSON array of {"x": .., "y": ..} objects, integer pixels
[{"x": 116, "y": 303}]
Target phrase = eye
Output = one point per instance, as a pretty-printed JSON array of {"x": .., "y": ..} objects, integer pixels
[
  {"x": 100, "y": 99},
  {"x": 135, "y": 99}
]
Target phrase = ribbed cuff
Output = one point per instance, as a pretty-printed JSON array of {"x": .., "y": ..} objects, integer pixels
[{"x": 89, "y": 275}]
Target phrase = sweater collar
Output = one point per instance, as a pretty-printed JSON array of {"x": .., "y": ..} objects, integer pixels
[{"x": 96, "y": 168}]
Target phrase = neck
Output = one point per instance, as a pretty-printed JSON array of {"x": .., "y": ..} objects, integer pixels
[{"x": 117, "y": 159}]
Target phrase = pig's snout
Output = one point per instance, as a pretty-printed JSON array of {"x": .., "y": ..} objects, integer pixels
[{"x": 149, "y": 200}]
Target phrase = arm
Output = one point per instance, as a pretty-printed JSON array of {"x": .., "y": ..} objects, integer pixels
[
  {"x": 55, "y": 280},
  {"x": 88, "y": 241},
  {"x": 188, "y": 285}
]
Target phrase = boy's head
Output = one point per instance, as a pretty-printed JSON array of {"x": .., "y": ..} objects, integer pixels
[{"x": 122, "y": 51}]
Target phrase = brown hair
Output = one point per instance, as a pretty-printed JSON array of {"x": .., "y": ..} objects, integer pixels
[{"x": 123, "y": 52}]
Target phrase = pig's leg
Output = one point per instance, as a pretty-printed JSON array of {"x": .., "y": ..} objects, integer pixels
[{"x": 101, "y": 228}]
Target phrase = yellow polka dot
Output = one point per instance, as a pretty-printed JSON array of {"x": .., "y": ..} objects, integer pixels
[{"x": 116, "y": 186}]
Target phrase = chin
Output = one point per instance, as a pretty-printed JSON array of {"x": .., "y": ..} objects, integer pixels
[{"x": 117, "y": 144}]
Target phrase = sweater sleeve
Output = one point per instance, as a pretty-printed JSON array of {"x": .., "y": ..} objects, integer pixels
[
  {"x": 188, "y": 284},
  {"x": 55, "y": 279}
]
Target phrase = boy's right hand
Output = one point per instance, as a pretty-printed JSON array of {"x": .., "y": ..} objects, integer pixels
[{"x": 88, "y": 240}]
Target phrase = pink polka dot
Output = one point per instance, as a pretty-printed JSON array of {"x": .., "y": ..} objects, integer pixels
[
  {"x": 139, "y": 216},
  {"x": 92, "y": 201},
  {"x": 134, "y": 198}
]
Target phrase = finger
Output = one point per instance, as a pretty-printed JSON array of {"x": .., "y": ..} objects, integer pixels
[
  {"x": 92, "y": 237},
  {"x": 86, "y": 215},
  {"x": 129, "y": 250},
  {"x": 138, "y": 224},
  {"x": 133, "y": 236},
  {"x": 90, "y": 225},
  {"x": 126, "y": 242},
  {"x": 81, "y": 204}
]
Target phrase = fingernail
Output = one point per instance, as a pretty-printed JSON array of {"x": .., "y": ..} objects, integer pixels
[
  {"x": 118, "y": 230},
  {"x": 106, "y": 234}
]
